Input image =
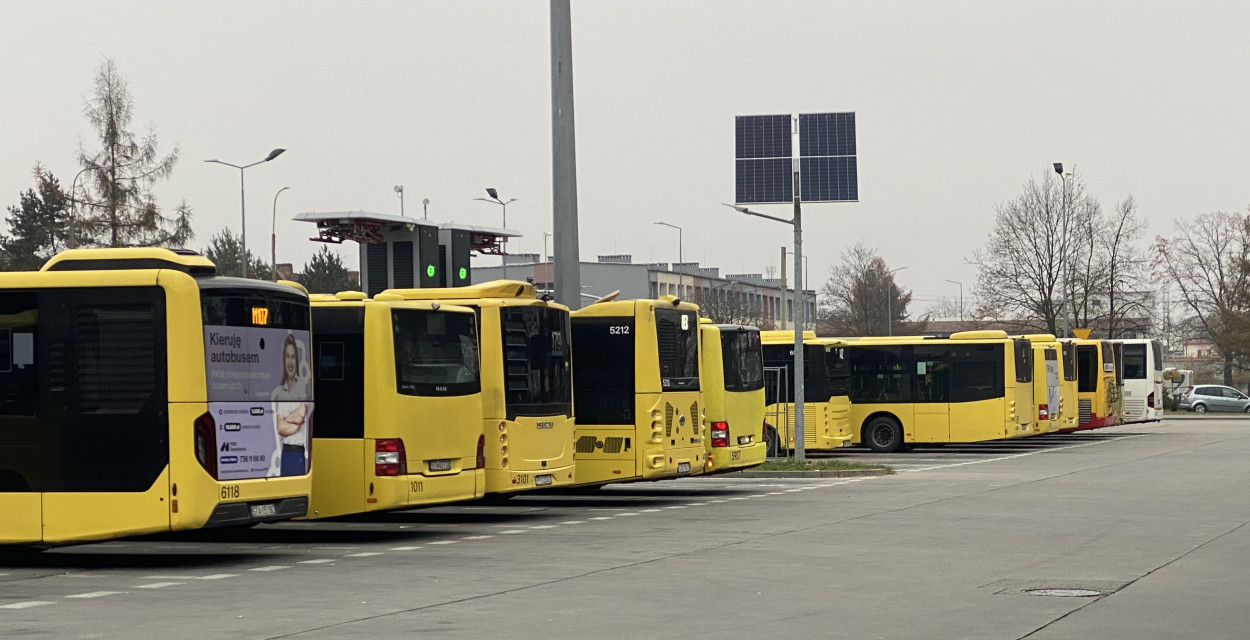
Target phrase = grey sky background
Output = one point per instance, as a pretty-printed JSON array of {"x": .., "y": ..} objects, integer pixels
[{"x": 958, "y": 104}]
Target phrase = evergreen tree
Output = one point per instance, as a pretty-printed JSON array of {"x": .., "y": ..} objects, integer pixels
[
  {"x": 37, "y": 225},
  {"x": 226, "y": 250},
  {"x": 117, "y": 207},
  {"x": 325, "y": 273}
]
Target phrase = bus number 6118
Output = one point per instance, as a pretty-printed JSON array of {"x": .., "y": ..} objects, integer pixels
[{"x": 229, "y": 491}]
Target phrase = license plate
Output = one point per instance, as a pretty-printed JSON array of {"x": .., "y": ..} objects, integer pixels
[
  {"x": 543, "y": 480},
  {"x": 440, "y": 465},
  {"x": 683, "y": 467},
  {"x": 264, "y": 510}
]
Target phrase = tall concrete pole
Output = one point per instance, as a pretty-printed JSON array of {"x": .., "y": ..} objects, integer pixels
[{"x": 568, "y": 277}]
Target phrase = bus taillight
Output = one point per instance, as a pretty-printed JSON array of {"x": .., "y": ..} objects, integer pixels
[
  {"x": 1043, "y": 412},
  {"x": 481, "y": 452},
  {"x": 1150, "y": 400},
  {"x": 720, "y": 434},
  {"x": 389, "y": 458},
  {"x": 206, "y": 443}
]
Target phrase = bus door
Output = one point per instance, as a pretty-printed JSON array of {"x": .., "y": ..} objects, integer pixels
[
  {"x": 932, "y": 408},
  {"x": 100, "y": 354},
  {"x": 1052, "y": 384},
  {"x": 21, "y": 460}
]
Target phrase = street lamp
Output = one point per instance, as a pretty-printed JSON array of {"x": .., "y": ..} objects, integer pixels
[
  {"x": 425, "y": 208},
  {"x": 243, "y": 200},
  {"x": 961, "y": 300},
  {"x": 399, "y": 191},
  {"x": 494, "y": 197},
  {"x": 273, "y": 236},
  {"x": 889, "y": 302},
  {"x": 545, "y": 236},
  {"x": 681, "y": 277},
  {"x": 1063, "y": 247},
  {"x": 799, "y": 316}
]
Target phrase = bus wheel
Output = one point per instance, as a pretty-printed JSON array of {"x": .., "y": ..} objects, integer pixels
[
  {"x": 884, "y": 435},
  {"x": 772, "y": 446}
]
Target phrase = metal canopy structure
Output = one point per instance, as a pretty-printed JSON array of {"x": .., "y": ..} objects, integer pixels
[{"x": 366, "y": 227}]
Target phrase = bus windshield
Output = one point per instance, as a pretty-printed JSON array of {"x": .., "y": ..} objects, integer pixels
[
  {"x": 435, "y": 353},
  {"x": 743, "y": 360},
  {"x": 537, "y": 362},
  {"x": 677, "y": 333},
  {"x": 1135, "y": 361}
]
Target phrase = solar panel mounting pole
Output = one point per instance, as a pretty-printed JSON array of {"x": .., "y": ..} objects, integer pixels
[
  {"x": 567, "y": 267},
  {"x": 800, "y": 451}
]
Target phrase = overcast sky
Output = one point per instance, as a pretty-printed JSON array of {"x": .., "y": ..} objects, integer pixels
[{"x": 958, "y": 103}]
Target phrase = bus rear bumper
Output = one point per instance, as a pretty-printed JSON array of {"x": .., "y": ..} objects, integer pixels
[{"x": 233, "y": 514}]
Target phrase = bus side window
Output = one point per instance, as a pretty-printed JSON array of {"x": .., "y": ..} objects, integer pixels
[{"x": 20, "y": 442}]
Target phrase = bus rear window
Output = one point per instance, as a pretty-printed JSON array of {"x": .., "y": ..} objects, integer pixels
[
  {"x": 1069, "y": 361},
  {"x": 537, "y": 363},
  {"x": 677, "y": 333},
  {"x": 743, "y": 360},
  {"x": 1024, "y": 360},
  {"x": 1157, "y": 348},
  {"x": 435, "y": 353},
  {"x": 1135, "y": 361}
]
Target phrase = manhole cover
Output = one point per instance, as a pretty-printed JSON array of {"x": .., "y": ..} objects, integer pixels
[{"x": 1064, "y": 593}]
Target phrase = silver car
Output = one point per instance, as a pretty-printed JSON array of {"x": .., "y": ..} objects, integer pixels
[{"x": 1214, "y": 397}]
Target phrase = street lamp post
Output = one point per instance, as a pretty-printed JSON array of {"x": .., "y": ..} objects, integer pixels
[
  {"x": 399, "y": 191},
  {"x": 681, "y": 276},
  {"x": 889, "y": 302},
  {"x": 545, "y": 236},
  {"x": 961, "y": 300},
  {"x": 799, "y": 312},
  {"x": 243, "y": 200},
  {"x": 273, "y": 236},
  {"x": 425, "y": 208},
  {"x": 494, "y": 197},
  {"x": 1063, "y": 248}
]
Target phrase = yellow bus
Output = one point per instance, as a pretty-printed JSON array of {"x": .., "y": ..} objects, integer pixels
[
  {"x": 1048, "y": 382},
  {"x": 971, "y": 387},
  {"x": 1096, "y": 385},
  {"x": 826, "y": 407},
  {"x": 636, "y": 390},
  {"x": 527, "y": 382},
  {"x": 405, "y": 427},
  {"x": 732, "y": 381},
  {"x": 141, "y": 393}
]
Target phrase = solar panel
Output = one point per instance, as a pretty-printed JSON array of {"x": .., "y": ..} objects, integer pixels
[
  {"x": 764, "y": 180},
  {"x": 832, "y": 179},
  {"x": 763, "y": 154},
  {"x": 827, "y": 134}
]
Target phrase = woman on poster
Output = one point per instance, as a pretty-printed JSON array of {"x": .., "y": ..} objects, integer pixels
[{"x": 291, "y": 412}]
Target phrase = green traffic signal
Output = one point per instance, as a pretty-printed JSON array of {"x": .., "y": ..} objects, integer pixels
[
  {"x": 464, "y": 273},
  {"x": 429, "y": 271}
]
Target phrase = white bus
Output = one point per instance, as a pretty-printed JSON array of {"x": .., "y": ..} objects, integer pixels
[{"x": 1143, "y": 380}]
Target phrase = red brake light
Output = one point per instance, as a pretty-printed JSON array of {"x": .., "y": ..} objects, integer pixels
[
  {"x": 720, "y": 434},
  {"x": 206, "y": 443},
  {"x": 389, "y": 458},
  {"x": 1043, "y": 412},
  {"x": 481, "y": 452}
]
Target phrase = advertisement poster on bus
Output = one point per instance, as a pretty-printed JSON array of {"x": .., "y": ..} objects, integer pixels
[{"x": 260, "y": 396}]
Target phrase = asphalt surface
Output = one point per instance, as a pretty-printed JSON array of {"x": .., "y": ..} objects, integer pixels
[{"x": 1150, "y": 518}]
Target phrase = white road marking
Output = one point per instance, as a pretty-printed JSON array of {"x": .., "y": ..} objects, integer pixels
[
  {"x": 445, "y": 542},
  {"x": 696, "y": 504},
  {"x": 676, "y": 506},
  {"x": 602, "y": 518},
  {"x": 364, "y": 554},
  {"x": 337, "y": 548},
  {"x": 25, "y": 605},
  {"x": 169, "y": 577},
  {"x": 628, "y": 513},
  {"x": 220, "y": 576},
  {"x": 718, "y": 501},
  {"x": 318, "y": 561},
  {"x": 572, "y": 522},
  {"x": 159, "y": 585},
  {"x": 793, "y": 490},
  {"x": 276, "y": 567},
  {"x": 738, "y": 498},
  {"x": 650, "y": 510},
  {"x": 403, "y": 548},
  {"x": 758, "y": 495},
  {"x": 776, "y": 493},
  {"x": 97, "y": 594},
  {"x": 1020, "y": 455},
  {"x": 545, "y": 526},
  {"x": 513, "y": 531},
  {"x": 477, "y": 537}
]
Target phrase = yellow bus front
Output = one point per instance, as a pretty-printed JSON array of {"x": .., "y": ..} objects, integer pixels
[
  {"x": 636, "y": 384},
  {"x": 732, "y": 381}
]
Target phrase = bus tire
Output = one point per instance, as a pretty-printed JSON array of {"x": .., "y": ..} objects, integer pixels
[
  {"x": 883, "y": 435},
  {"x": 772, "y": 445},
  {"x": 1199, "y": 408}
]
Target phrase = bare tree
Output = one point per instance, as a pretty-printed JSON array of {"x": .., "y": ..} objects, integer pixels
[
  {"x": 861, "y": 298},
  {"x": 1126, "y": 271},
  {"x": 1209, "y": 260},
  {"x": 118, "y": 207}
]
